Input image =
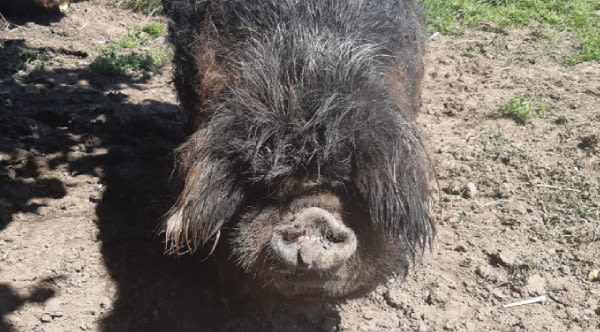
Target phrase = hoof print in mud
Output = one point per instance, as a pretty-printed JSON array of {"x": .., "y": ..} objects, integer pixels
[{"x": 304, "y": 171}]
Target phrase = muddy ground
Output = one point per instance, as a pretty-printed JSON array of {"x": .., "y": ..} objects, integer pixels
[{"x": 85, "y": 162}]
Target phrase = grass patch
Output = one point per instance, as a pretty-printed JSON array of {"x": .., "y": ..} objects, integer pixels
[
  {"x": 31, "y": 61},
  {"x": 496, "y": 147},
  {"x": 148, "y": 7},
  {"x": 579, "y": 17},
  {"x": 147, "y": 61},
  {"x": 521, "y": 109},
  {"x": 125, "y": 55},
  {"x": 572, "y": 194}
]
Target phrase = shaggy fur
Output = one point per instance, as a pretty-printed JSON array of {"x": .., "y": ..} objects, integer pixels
[{"x": 321, "y": 90}]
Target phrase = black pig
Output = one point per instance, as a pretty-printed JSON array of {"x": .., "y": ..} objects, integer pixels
[
  {"x": 304, "y": 168},
  {"x": 23, "y": 6}
]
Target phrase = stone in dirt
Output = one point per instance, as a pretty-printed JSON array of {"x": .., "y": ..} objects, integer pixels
[
  {"x": 504, "y": 257},
  {"x": 536, "y": 285},
  {"x": 469, "y": 190}
]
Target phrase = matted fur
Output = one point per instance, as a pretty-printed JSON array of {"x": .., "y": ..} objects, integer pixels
[{"x": 323, "y": 90}]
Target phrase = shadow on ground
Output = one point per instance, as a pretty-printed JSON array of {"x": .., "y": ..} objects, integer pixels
[{"x": 50, "y": 120}]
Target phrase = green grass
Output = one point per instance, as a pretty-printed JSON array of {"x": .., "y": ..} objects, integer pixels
[
  {"x": 579, "y": 17},
  {"x": 30, "y": 61},
  {"x": 125, "y": 55},
  {"x": 147, "y": 7},
  {"x": 147, "y": 61},
  {"x": 521, "y": 108},
  {"x": 573, "y": 194}
]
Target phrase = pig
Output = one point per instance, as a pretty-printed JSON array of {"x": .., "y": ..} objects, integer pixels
[
  {"x": 26, "y": 6},
  {"x": 304, "y": 172}
]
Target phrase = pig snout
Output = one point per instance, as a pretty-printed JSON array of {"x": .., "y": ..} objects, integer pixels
[{"x": 313, "y": 239}]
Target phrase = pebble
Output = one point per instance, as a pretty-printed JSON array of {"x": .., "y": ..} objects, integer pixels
[
  {"x": 565, "y": 269},
  {"x": 46, "y": 318},
  {"x": 505, "y": 257},
  {"x": 536, "y": 285},
  {"x": 395, "y": 299},
  {"x": 436, "y": 296},
  {"x": 469, "y": 190}
]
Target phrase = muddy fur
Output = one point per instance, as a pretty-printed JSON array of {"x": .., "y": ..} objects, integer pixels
[{"x": 323, "y": 93}]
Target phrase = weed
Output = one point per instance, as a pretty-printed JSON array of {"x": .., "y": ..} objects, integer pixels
[
  {"x": 148, "y": 7},
  {"x": 123, "y": 56},
  {"x": 572, "y": 194},
  {"x": 477, "y": 49},
  {"x": 518, "y": 108},
  {"x": 113, "y": 63},
  {"x": 153, "y": 29},
  {"x": 31, "y": 61}
]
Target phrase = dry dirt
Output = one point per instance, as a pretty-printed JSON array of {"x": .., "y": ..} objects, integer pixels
[{"x": 85, "y": 161}]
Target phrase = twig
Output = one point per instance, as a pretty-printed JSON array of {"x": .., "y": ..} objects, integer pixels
[
  {"x": 558, "y": 188},
  {"x": 500, "y": 201},
  {"x": 542, "y": 298}
]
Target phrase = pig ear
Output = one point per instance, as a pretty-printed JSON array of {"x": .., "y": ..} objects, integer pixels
[
  {"x": 209, "y": 199},
  {"x": 392, "y": 175}
]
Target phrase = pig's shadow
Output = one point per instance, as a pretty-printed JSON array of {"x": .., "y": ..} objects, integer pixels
[{"x": 157, "y": 292}]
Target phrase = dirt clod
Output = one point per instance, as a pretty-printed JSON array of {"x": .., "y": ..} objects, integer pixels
[
  {"x": 504, "y": 257},
  {"x": 594, "y": 275},
  {"x": 469, "y": 190},
  {"x": 536, "y": 285}
]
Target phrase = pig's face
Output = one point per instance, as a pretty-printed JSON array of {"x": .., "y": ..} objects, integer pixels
[
  {"x": 308, "y": 243},
  {"x": 303, "y": 213}
]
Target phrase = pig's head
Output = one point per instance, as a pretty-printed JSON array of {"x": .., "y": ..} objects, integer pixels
[
  {"x": 301, "y": 217},
  {"x": 313, "y": 188}
]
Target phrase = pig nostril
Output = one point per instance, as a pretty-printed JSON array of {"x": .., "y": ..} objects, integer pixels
[
  {"x": 336, "y": 237},
  {"x": 293, "y": 236}
]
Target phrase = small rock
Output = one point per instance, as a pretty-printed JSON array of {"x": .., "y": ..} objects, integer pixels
[
  {"x": 536, "y": 285},
  {"x": 395, "y": 299},
  {"x": 486, "y": 272},
  {"x": 507, "y": 258},
  {"x": 46, "y": 318},
  {"x": 453, "y": 189},
  {"x": 498, "y": 293},
  {"x": 435, "y": 296},
  {"x": 465, "y": 169},
  {"x": 469, "y": 190},
  {"x": 588, "y": 142},
  {"x": 574, "y": 314},
  {"x": 460, "y": 248},
  {"x": 594, "y": 275},
  {"x": 557, "y": 284}
]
